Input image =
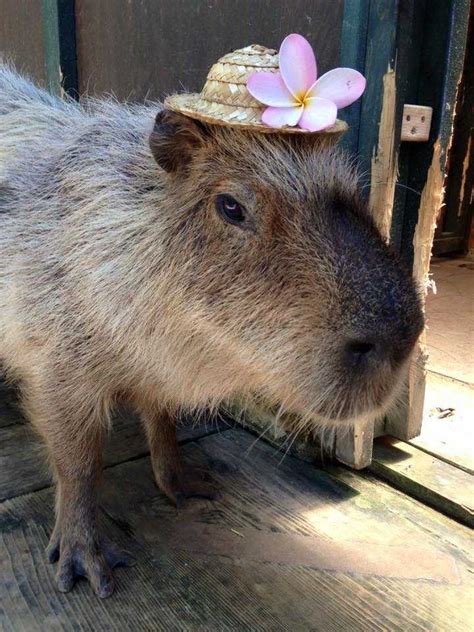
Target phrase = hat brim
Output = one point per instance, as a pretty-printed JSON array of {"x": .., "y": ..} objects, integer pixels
[{"x": 248, "y": 118}]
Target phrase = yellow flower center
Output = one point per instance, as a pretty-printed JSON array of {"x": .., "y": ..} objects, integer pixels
[{"x": 302, "y": 99}]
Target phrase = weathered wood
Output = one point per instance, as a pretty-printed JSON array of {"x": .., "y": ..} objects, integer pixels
[
  {"x": 23, "y": 466},
  {"x": 452, "y": 232},
  {"x": 405, "y": 422},
  {"x": 434, "y": 82},
  {"x": 447, "y": 51},
  {"x": 9, "y": 411},
  {"x": 353, "y": 52},
  {"x": 384, "y": 163},
  {"x": 150, "y": 49},
  {"x": 21, "y": 36},
  {"x": 354, "y": 444},
  {"x": 439, "y": 484},
  {"x": 59, "y": 39},
  {"x": 416, "y": 123},
  {"x": 286, "y": 547},
  {"x": 447, "y": 430}
]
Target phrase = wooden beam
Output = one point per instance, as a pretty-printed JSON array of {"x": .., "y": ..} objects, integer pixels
[{"x": 427, "y": 168}]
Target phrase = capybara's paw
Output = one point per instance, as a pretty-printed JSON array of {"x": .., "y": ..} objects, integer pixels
[
  {"x": 85, "y": 557},
  {"x": 188, "y": 482}
]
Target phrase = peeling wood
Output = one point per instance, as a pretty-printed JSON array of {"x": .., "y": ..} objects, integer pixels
[
  {"x": 384, "y": 169},
  {"x": 430, "y": 206},
  {"x": 405, "y": 422},
  {"x": 465, "y": 167}
]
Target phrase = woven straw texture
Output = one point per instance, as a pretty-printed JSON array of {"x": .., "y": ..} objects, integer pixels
[{"x": 225, "y": 100}]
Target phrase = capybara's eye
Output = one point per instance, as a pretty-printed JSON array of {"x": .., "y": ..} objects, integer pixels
[{"x": 229, "y": 209}]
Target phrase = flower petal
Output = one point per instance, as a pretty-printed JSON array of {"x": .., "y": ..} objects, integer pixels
[
  {"x": 318, "y": 114},
  {"x": 342, "y": 86},
  {"x": 270, "y": 89},
  {"x": 281, "y": 117},
  {"x": 297, "y": 64}
]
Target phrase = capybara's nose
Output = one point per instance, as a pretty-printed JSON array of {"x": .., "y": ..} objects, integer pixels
[{"x": 360, "y": 350}]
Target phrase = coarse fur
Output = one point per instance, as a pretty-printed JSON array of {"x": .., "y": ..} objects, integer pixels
[{"x": 119, "y": 281}]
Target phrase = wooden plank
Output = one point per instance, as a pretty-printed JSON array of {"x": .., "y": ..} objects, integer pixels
[
  {"x": 59, "y": 35},
  {"x": 437, "y": 76},
  {"x": 286, "y": 547},
  {"x": 353, "y": 51},
  {"x": 49, "y": 10},
  {"x": 151, "y": 49},
  {"x": 9, "y": 411},
  {"x": 354, "y": 444},
  {"x": 425, "y": 477},
  {"x": 456, "y": 217},
  {"x": 447, "y": 430},
  {"x": 442, "y": 48},
  {"x": 382, "y": 25},
  {"x": 22, "y": 456},
  {"x": 21, "y": 37}
]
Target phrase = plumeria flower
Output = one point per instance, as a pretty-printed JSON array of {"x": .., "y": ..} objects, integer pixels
[{"x": 296, "y": 97}]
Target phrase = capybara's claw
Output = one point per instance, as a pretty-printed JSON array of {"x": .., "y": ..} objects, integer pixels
[
  {"x": 90, "y": 560},
  {"x": 188, "y": 483}
]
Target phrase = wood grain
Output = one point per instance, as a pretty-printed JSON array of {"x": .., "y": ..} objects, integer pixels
[
  {"x": 23, "y": 460},
  {"x": 151, "y": 49},
  {"x": 439, "y": 484},
  {"x": 187, "y": 578},
  {"x": 21, "y": 36}
]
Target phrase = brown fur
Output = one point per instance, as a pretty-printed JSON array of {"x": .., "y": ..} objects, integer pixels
[{"x": 120, "y": 281}]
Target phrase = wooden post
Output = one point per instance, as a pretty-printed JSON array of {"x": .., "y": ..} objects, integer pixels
[{"x": 444, "y": 50}]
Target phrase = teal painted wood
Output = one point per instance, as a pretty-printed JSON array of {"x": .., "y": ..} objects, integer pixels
[
  {"x": 380, "y": 55},
  {"x": 375, "y": 37},
  {"x": 424, "y": 42},
  {"x": 408, "y": 75},
  {"x": 353, "y": 50},
  {"x": 444, "y": 40},
  {"x": 51, "y": 45},
  {"x": 60, "y": 46}
]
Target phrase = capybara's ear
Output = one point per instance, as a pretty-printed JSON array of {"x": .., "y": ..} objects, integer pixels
[{"x": 174, "y": 139}]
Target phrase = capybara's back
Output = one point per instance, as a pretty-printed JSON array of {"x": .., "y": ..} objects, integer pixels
[{"x": 153, "y": 259}]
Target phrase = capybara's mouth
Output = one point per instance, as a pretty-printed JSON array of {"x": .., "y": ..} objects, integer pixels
[{"x": 366, "y": 397}]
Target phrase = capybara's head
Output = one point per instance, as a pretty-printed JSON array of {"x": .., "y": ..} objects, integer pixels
[{"x": 283, "y": 268}]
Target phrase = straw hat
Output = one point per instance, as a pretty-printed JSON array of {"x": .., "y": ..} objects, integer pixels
[{"x": 225, "y": 100}]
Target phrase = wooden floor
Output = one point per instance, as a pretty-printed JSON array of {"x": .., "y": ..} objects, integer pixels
[{"x": 288, "y": 546}]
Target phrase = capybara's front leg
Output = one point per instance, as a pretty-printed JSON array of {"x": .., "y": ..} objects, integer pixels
[
  {"x": 175, "y": 479},
  {"x": 74, "y": 444}
]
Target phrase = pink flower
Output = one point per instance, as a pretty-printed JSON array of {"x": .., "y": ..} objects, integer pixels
[{"x": 295, "y": 96}]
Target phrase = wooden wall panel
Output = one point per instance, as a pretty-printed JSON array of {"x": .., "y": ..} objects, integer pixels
[
  {"x": 21, "y": 36},
  {"x": 139, "y": 48}
]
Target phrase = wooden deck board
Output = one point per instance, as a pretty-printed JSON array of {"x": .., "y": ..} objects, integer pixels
[
  {"x": 22, "y": 456},
  {"x": 287, "y": 547},
  {"x": 439, "y": 484},
  {"x": 9, "y": 412}
]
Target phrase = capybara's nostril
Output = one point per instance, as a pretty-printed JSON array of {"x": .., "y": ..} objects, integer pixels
[{"x": 359, "y": 350}]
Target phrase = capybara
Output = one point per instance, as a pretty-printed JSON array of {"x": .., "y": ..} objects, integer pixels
[{"x": 151, "y": 259}]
